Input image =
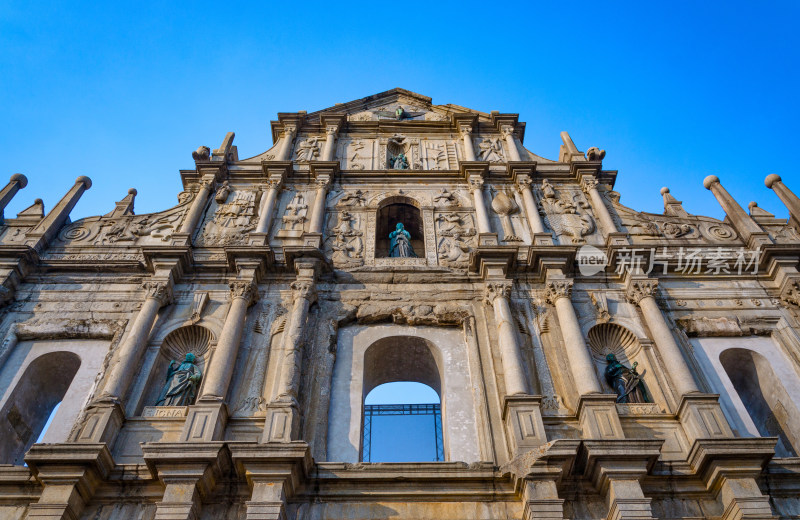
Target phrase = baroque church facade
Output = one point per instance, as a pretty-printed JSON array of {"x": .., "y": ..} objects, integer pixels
[{"x": 212, "y": 360}]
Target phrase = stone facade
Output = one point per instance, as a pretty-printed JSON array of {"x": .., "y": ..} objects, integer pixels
[{"x": 274, "y": 272}]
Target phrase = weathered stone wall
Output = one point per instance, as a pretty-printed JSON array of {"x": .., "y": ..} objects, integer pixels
[{"x": 272, "y": 271}]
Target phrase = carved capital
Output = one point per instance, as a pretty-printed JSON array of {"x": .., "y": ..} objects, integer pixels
[
  {"x": 205, "y": 184},
  {"x": 465, "y": 131},
  {"x": 558, "y": 289},
  {"x": 322, "y": 183},
  {"x": 496, "y": 290},
  {"x": 331, "y": 130},
  {"x": 272, "y": 184},
  {"x": 306, "y": 289},
  {"x": 588, "y": 184},
  {"x": 245, "y": 290},
  {"x": 159, "y": 291},
  {"x": 524, "y": 183},
  {"x": 638, "y": 289},
  {"x": 507, "y": 130},
  {"x": 791, "y": 293},
  {"x": 475, "y": 185},
  {"x": 289, "y": 131}
]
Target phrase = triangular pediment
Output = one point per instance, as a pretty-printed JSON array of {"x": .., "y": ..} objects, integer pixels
[{"x": 385, "y": 105}]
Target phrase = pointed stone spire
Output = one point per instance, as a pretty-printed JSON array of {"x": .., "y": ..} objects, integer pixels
[
  {"x": 672, "y": 206},
  {"x": 34, "y": 210},
  {"x": 226, "y": 151},
  {"x": 755, "y": 211},
  {"x": 744, "y": 225},
  {"x": 16, "y": 183},
  {"x": 49, "y": 225},
  {"x": 569, "y": 152},
  {"x": 789, "y": 199},
  {"x": 124, "y": 206}
]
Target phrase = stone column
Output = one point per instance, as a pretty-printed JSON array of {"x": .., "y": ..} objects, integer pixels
[
  {"x": 469, "y": 149},
  {"x": 642, "y": 292},
  {"x": 283, "y": 421},
  {"x": 318, "y": 211},
  {"x": 285, "y": 153},
  {"x": 739, "y": 218},
  {"x": 303, "y": 295},
  {"x": 789, "y": 199},
  {"x": 195, "y": 212},
  {"x": 559, "y": 294},
  {"x": 476, "y": 187},
  {"x": 508, "y": 134},
  {"x": 497, "y": 294},
  {"x": 268, "y": 205},
  {"x": 589, "y": 186},
  {"x": 218, "y": 376},
  {"x": 159, "y": 293},
  {"x": 534, "y": 219},
  {"x": 330, "y": 141},
  {"x": 16, "y": 183}
]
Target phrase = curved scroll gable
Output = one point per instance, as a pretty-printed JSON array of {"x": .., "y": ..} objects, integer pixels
[
  {"x": 647, "y": 227},
  {"x": 126, "y": 230}
]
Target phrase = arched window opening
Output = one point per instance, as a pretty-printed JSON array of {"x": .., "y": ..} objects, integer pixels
[
  {"x": 763, "y": 396},
  {"x": 403, "y": 212},
  {"x": 402, "y": 419},
  {"x": 32, "y": 404}
]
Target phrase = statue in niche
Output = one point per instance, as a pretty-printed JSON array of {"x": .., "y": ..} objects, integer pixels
[
  {"x": 399, "y": 161},
  {"x": 400, "y": 243},
  {"x": 626, "y": 382},
  {"x": 182, "y": 382}
]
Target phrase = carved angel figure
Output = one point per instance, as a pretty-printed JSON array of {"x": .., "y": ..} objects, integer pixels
[{"x": 491, "y": 150}]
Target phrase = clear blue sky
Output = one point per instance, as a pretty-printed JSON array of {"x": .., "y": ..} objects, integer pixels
[{"x": 123, "y": 92}]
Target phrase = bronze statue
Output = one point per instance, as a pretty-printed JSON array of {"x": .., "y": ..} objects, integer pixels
[
  {"x": 628, "y": 383},
  {"x": 182, "y": 382},
  {"x": 399, "y": 162},
  {"x": 400, "y": 243}
]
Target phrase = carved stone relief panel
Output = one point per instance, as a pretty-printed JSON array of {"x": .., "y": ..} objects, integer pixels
[
  {"x": 566, "y": 212},
  {"x": 294, "y": 218},
  {"x": 344, "y": 243},
  {"x": 456, "y": 238},
  {"x": 233, "y": 218},
  {"x": 357, "y": 154}
]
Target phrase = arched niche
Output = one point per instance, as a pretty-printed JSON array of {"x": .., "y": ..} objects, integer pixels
[
  {"x": 612, "y": 338},
  {"x": 764, "y": 397},
  {"x": 394, "y": 210},
  {"x": 42, "y": 385},
  {"x": 176, "y": 344},
  {"x": 370, "y": 355},
  {"x": 401, "y": 358}
]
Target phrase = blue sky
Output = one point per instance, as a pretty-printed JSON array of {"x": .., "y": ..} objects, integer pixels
[{"x": 123, "y": 92}]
